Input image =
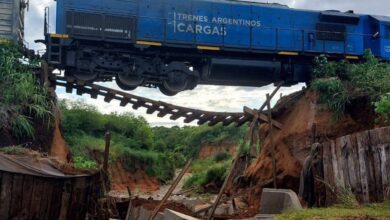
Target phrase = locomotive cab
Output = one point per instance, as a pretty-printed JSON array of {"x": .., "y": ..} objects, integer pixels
[{"x": 380, "y": 36}]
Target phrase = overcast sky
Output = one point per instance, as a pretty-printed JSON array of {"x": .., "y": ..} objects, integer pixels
[{"x": 213, "y": 98}]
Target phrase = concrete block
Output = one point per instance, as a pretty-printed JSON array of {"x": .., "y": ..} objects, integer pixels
[
  {"x": 264, "y": 217},
  {"x": 277, "y": 201}
]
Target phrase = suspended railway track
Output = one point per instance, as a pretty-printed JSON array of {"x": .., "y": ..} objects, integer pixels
[{"x": 162, "y": 109}]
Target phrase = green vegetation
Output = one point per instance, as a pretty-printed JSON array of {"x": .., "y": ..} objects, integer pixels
[
  {"x": 337, "y": 81},
  {"x": 333, "y": 94},
  {"x": 23, "y": 103},
  {"x": 84, "y": 163},
  {"x": 209, "y": 171},
  {"x": 383, "y": 107},
  {"x": 380, "y": 211},
  {"x": 158, "y": 151}
]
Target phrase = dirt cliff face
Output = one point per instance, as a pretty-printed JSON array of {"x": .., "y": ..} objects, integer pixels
[
  {"x": 137, "y": 181},
  {"x": 59, "y": 149},
  {"x": 211, "y": 150},
  {"x": 301, "y": 116}
]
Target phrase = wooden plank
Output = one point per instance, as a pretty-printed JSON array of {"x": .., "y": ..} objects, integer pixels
[
  {"x": 377, "y": 173},
  {"x": 5, "y": 195},
  {"x": 152, "y": 109},
  {"x": 47, "y": 199},
  {"x": 177, "y": 115},
  {"x": 349, "y": 165},
  {"x": 340, "y": 163},
  {"x": 387, "y": 164},
  {"x": 334, "y": 162},
  {"x": 384, "y": 170},
  {"x": 376, "y": 138},
  {"x": 370, "y": 164},
  {"x": 28, "y": 186},
  {"x": 262, "y": 117},
  {"x": 16, "y": 200},
  {"x": 124, "y": 102},
  {"x": 191, "y": 117},
  {"x": 109, "y": 97},
  {"x": 36, "y": 198},
  {"x": 216, "y": 120},
  {"x": 241, "y": 121},
  {"x": 65, "y": 200},
  {"x": 205, "y": 118},
  {"x": 44, "y": 198},
  {"x": 56, "y": 200},
  {"x": 357, "y": 186},
  {"x": 81, "y": 197},
  {"x": 325, "y": 164},
  {"x": 363, "y": 168}
]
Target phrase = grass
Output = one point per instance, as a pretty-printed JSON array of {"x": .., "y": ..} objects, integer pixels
[
  {"x": 380, "y": 211},
  {"x": 23, "y": 102},
  {"x": 14, "y": 150}
]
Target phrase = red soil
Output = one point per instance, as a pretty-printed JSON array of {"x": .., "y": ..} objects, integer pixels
[
  {"x": 137, "y": 181},
  {"x": 59, "y": 149},
  {"x": 293, "y": 142},
  {"x": 211, "y": 150}
]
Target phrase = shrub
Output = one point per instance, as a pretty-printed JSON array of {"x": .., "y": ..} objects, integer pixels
[
  {"x": 332, "y": 93},
  {"x": 383, "y": 107},
  {"x": 216, "y": 175},
  {"x": 208, "y": 171},
  {"x": 346, "y": 198},
  {"x": 84, "y": 163},
  {"x": 222, "y": 156}
]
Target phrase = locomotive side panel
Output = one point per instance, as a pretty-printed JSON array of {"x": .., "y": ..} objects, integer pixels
[{"x": 175, "y": 45}]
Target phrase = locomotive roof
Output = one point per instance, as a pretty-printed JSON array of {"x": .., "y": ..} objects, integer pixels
[{"x": 385, "y": 19}]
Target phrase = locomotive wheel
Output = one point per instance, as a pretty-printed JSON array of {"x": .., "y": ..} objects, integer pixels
[
  {"x": 123, "y": 86},
  {"x": 85, "y": 76},
  {"x": 129, "y": 80},
  {"x": 177, "y": 81},
  {"x": 166, "y": 92}
]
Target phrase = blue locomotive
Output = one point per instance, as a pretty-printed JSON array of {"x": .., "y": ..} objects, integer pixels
[{"x": 175, "y": 45}]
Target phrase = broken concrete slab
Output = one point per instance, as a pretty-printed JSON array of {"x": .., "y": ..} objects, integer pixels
[
  {"x": 277, "y": 201},
  {"x": 173, "y": 215}
]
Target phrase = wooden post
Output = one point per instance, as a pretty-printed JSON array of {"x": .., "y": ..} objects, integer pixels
[
  {"x": 238, "y": 154},
  {"x": 129, "y": 209},
  {"x": 107, "y": 151},
  {"x": 271, "y": 141},
  {"x": 171, "y": 189}
]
